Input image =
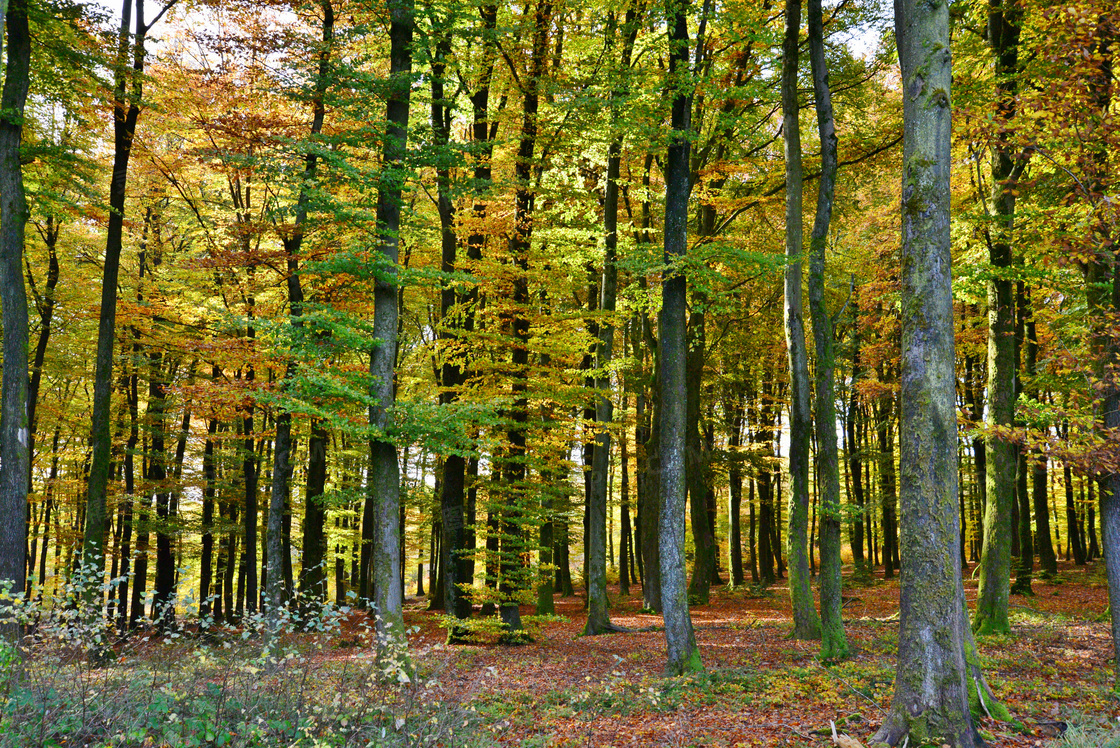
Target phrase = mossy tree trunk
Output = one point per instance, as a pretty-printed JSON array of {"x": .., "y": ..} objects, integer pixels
[
  {"x": 931, "y": 696},
  {"x": 1004, "y": 19}
]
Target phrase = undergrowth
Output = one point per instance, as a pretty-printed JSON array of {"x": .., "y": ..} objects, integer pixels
[{"x": 268, "y": 684}]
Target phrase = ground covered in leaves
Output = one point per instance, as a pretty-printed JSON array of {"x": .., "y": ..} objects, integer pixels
[{"x": 761, "y": 688}]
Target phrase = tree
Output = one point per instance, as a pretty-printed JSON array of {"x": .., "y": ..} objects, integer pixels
[
  {"x": 384, "y": 475},
  {"x": 127, "y": 96},
  {"x": 15, "y": 454},
  {"x": 806, "y": 621},
  {"x": 683, "y": 654},
  {"x": 1004, "y": 26},
  {"x": 930, "y": 700},
  {"x": 834, "y": 644},
  {"x": 598, "y": 620}
]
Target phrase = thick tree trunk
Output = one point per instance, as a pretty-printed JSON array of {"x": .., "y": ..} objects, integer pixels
[
  {"x": 683, "y": 654},
  {"x": 384, "y": 478},
  {"x": 15, "y": 455},
  {"x": 806, "y": 621},
  {"x": 931, "y": 684}
]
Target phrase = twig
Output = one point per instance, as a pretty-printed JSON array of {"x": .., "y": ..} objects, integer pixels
[
  {"x": 980, "y": 695},
  {"x": 853, "y": 688},
  {"x": 792, "y": 729}
]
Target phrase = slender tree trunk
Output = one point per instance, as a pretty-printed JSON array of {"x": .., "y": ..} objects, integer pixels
[
  {"x": 704, "y": 563},
  {"x": 45, "y": 305},
  {"x": 127, "y": 94},
  {"x": 1073, "y": 537},
  {"x": 163, "y": 603},
  {"x": 1004, "y": 22},
  {"x": 313, "y": 574},
  {"x": 626, "y": 542},
  {"x": 647, "y": 437},
  {"x": 735, "y": 488},
  {"x": 209, "y": 492},
  {"x": 765, "y": 482},
  {"x": 598, "y": 619},
  {"x": 834, "y": 642},
  {"x": 1048, "y": 560},
  {"x": 854, "y": 446},
  {"x": 278, "y": 572},
  {"x": 888, "y": 497},
  {"x": 806, "y": 621}
]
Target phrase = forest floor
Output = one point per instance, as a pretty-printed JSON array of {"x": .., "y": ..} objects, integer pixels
[{"x": 761, "y": 688}]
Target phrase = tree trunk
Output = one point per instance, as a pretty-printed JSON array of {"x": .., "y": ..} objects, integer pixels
[
  {"x": 313, "y": 574},
  {"x": 735, "y": 488},
  {"x": 647, "y": 437},
  {"x": 126, "y": 111},
  {"x": 834, "y": 643},
  {"x": 1004, "y": 19},
  {"x": 683, "y": 654},
  {"x": 598, "y": 619},
  {"x": 887, "y": 485},
  {"x": 703, "y": 542},
  {"x": 854, "y": 446},
  {"x": 209, "y": 492},
  {"x": 15, "y": 455},
  {"x": 931, "y": 684},
  {"x": 384, "y": 477},
  {"x": 806, "y": 622},
  {"x": 625, "y": 543},
  {"x": 163, "y": 602}
]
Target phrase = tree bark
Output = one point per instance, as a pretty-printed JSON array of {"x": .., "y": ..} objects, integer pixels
[
  {"x": 126, "y": 111},
  {"x": 1004, "y": 20},
  {"x": 313, "y": 573},
  {"x": 384, "y": 480},
  {"x": 15, "y": 455},
  {"x": 806, "y": 621},
  {"x": 931, "y": 685},
  {"x": 598, "y": 619},
  {"x": 735, "y": 487},
  {"x": 834, "y": 643},
  {"x": 683, "y": 654}
]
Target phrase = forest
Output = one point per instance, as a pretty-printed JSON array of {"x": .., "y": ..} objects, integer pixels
[{"x": 469, "y": 327}]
